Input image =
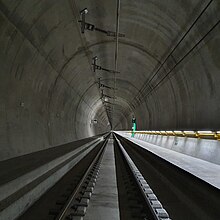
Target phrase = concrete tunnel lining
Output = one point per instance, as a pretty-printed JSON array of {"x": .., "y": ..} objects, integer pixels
[{"x": 46, "y": 70}]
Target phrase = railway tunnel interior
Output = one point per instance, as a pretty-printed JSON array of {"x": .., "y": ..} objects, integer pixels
[
  {"x": 168, "y": 62},
  {"x": 156, "y": 60}
]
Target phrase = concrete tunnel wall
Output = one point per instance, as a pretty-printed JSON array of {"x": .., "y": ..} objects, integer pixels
[
  {"x": 182, "y": 89},
  {"x": 49, "y": 93},
  {"x": 44, "y": 102}
]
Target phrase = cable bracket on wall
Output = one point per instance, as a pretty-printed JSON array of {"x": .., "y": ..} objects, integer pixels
[
  {"x": 97, "y": 67},
  {"x": 101, "y": 85},
  {"x": 91, "y": 27},
  {"x": 106, "y": 102},
  {"x": 106, "y": 96}
]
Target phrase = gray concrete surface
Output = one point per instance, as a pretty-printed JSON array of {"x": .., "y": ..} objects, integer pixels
[
  {"x": 104, "y": 200},
  {"x": 49, "y": 94},
  {"x": 205, "y": 149},
  {"x": 17, "y": 195},
  {"x": 169, "y": 70},
  {"x": 19, "y": 166},
  {"x": 207, "y": 171}
]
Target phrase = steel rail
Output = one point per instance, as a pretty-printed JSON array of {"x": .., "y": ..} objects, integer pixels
[
  {"x": 69, "y": 202},
  {"x": 152, "y": 201}
]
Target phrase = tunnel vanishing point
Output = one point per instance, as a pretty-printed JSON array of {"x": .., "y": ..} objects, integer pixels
[{"x": 74, "y": 71}]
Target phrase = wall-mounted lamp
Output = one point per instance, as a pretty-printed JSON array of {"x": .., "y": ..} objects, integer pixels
[
  {"x": 22, "y": 104},
  {"x": 84, "y": 11},
  {"x": 94, "y": 121},
  {"x": 83, "y": 21}
]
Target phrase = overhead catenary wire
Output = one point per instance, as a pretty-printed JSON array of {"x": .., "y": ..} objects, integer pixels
[
  {"x": 75, "y": 10},
  {"x": 116, "y": 51},
  {"x": 172, "y": 51}
]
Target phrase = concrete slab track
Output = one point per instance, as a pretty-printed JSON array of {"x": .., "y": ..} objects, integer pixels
[{"x": 104, "y": 201}]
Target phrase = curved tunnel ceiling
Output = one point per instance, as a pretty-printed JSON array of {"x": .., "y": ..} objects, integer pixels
[{"x": 168, "y": 61}]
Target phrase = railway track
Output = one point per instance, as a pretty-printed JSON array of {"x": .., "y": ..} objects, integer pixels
[
  {"x": 183, "y": 195},
  {"x": 148, "y": 188},
  {"x": 74, "y": 200},
  {"x": 66, "y": 193},
  {"x": 75, "y": 206},
  {"x": 136, "y": 198}
]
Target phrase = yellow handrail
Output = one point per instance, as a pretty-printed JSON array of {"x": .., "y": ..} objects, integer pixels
[{"x": 194, "y": 134}]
